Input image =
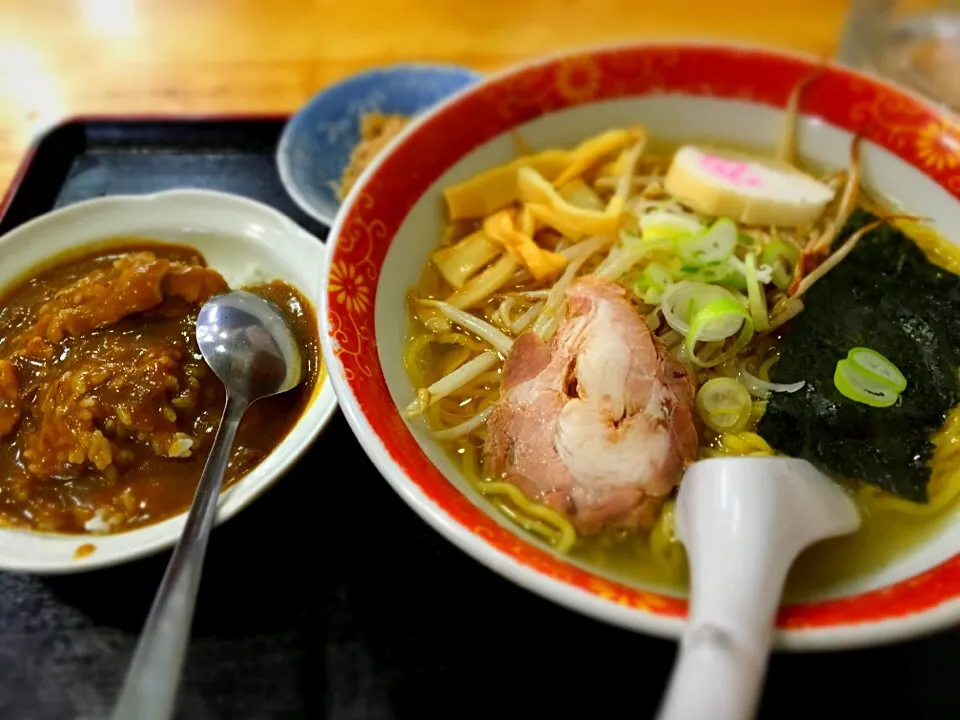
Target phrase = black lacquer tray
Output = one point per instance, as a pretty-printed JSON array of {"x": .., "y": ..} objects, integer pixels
[{"x": 328, "y": 597}]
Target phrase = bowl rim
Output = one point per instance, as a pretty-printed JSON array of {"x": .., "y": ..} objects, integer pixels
[
  {"x": 292, "y": 126},
  {"x": 313, "y": 420},
  {"x": 842, "y": 635}
]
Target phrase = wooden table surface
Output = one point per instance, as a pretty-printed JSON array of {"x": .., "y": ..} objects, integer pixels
[{"x": 67, "y": 57}]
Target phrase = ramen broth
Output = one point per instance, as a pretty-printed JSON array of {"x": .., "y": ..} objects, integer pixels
[{"x": 653, "y": 556}]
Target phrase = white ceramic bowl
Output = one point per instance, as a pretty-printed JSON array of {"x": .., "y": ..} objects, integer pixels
[
  {"x": 233, "y": 234},
  {"x": 393, "y": 218}
]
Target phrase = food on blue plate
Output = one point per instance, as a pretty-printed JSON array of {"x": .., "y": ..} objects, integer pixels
[
  {"x": 596, "y": 318},
  {"x": 107, "y": 409},
  {"x": 376, "y": 130}
]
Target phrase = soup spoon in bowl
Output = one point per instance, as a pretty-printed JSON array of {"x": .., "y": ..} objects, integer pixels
[
  {"x": 743, "y": 521},
  {"x": 248, "y": 344}
]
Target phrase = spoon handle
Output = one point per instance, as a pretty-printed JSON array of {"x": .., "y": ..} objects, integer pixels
[
  {"x": 739, "y": 556},
  {"x": 150, "y": 688},
  {"x": 714, "y": 677},
  {"x": 743, "y": 522}
]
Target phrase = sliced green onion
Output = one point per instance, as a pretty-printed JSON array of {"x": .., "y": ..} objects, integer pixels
[
  {"x": 633, "y": 249},
  {"x": 781, "y": 257},
  {"x": 719, "y": 320},
  {"x": 875, "y": 364},
  {"x": 663, "y": 224},
  {"x": 779, "y": 249},
  {"x": 715, "y": 245},
  {"x": 630, "y": 239},
  {"x": 652, "y": 296},
  {"x": 758, "y": 300},
  {"x": 734, "y": 279},
  {"x": 724, "y": 405},
  {"x": 657, "y": 276},
  {"x": 781, "y": 277},
  {"x": 863, "y": 387},
  {"x": 675, "y": 266},
  {"x": 684, "y": 299},
  {"x": 711, "y": 273}
]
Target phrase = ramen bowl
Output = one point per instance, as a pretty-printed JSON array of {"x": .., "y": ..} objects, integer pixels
[{"x": 394, "y": 217}]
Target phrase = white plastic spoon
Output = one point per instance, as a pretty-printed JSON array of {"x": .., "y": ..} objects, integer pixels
[{"x": 743, "y": 522}]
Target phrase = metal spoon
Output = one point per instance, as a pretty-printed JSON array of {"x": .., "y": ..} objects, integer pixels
[
  {"x": 249, "y": 346},
  {"x": 743, "y": 522}
]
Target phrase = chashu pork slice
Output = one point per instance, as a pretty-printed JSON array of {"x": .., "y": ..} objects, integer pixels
[{"x": 599, "y": 424}]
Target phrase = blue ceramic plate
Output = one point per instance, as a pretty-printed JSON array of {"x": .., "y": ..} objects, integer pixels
[{"x": 316, "y": 144}]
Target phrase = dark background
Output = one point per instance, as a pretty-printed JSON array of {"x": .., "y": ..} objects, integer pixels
[{"x": 328, "y": 597}]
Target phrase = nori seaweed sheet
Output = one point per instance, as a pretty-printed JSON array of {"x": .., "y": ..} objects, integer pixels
[{"x": 887, "y": 296}]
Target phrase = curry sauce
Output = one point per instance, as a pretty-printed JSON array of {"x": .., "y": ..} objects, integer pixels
[{"x": 107, "y": 409}]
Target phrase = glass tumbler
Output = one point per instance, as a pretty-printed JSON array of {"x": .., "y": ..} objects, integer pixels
[{"x": 913, "y": 42}]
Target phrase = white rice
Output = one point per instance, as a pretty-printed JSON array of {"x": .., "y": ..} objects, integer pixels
[
  {"x": 250, "y": 274},
  {"x": 98, "y": 523}
]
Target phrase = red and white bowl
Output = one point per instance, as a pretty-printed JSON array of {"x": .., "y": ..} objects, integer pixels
[{"x": 392, "y": 220}]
